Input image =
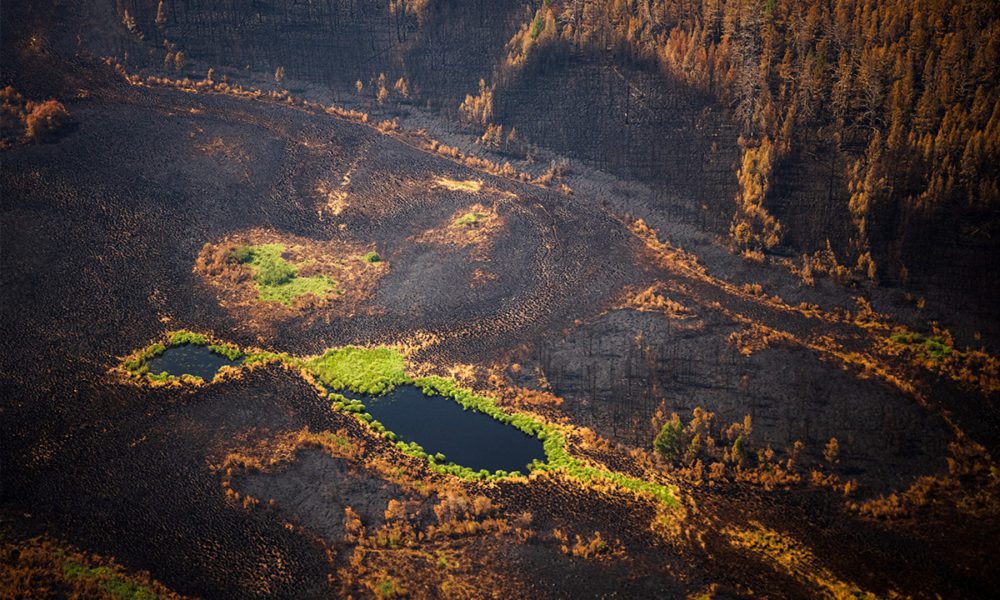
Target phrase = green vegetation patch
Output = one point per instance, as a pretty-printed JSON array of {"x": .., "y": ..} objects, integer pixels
[
  {"x": 137, "y": 364},
  {"x": 470, "y": 218},
  {"x": 931, "y": 347},
  {"x": 116, "y": 585},
  {"x": 371, "y": 257},
  {"x": 278, "y": 280},
  {"x": 362, "y": 370}
]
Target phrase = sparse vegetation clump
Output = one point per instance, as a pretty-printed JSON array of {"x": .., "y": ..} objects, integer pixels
[
  {"x": 469, "y": 185},
  {"x": 972, "y": 368},
  {"x": 727, "y": 452},
  {"x": 934, "y": 347},
  {"x": 476, "y": 225},
  {"x": 52, "y": 569},
  {"x": 28, "y": 121},
  {"x": 271, "y": 276},
  {"x": 277, "y": 279},
  {"x": 470, "y": 219},
  {"x": 652, "y": 299}
]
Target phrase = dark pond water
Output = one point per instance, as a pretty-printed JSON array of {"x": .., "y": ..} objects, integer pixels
[
  {"x": 189, "y": 360},
  {"x": 466, "y": 437}
]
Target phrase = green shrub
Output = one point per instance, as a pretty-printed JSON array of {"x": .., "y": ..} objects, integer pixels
[
  {"x": 931, "y": 347},
  {"x": 669, "y": 443},
  {"x": 372, "y": 257},
  {"x": 388, "y": 589}
]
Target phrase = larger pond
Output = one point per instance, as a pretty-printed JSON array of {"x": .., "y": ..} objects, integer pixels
[
  {"x": 189, "y": 360},
  {"x": 465, "y": 437}
]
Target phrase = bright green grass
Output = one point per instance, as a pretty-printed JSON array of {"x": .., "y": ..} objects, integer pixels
[
  {"x": 277, "y": 279},
  {"x": 117, "y": 586},
  {"x": 362, "y": 370}
]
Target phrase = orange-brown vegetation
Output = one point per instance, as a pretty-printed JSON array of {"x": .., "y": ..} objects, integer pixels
[
  {"x": 416, "y": 138},
  {"x": 654, "y": 299},
  {"x": 908, "y": 91},
  {"x": 497, "y": 140},
  {"x": 27, "y": 120},
  {"x": 791, "y": 556},
  {"x": 594, "y": 547},
  {"x": 971, "y": 486},
  {"x": 43, "y": 567},
  {"x": 821, "y": 263},
  {"x": 756, "y": 337},
  {"x": 753, "y": 227},
  {"x": 478, "y": 109},
  {"x": 476, "y": 225},
  {"x": 533, "y": 399}
]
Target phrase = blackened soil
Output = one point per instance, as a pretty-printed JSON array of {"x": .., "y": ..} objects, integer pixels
[{"x": 100, "y": 234}]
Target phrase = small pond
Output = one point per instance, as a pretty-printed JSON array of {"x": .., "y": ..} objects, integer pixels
[
  {"x": 465, "y": 437},
  {"x": 189, "y": 360}
]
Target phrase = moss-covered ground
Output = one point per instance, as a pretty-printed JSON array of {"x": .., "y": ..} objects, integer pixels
[{"x": 277, "y": 279}]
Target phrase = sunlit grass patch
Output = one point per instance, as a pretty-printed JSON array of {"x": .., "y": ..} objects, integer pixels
[
  {"x": 469, "y": 219},
  {"x": 117, "y": 586},
  {"x": 42, "y": 567},
  {"x": 455, "y": 185},
  {"x": 278, "y": 280},
  {"x": 361, "y": 370}
]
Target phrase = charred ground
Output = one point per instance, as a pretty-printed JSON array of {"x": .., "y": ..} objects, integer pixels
[{"x": 225, "y": 490}]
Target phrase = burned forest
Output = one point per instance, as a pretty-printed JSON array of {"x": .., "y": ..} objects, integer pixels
[{"x": 499, "y": 299}]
